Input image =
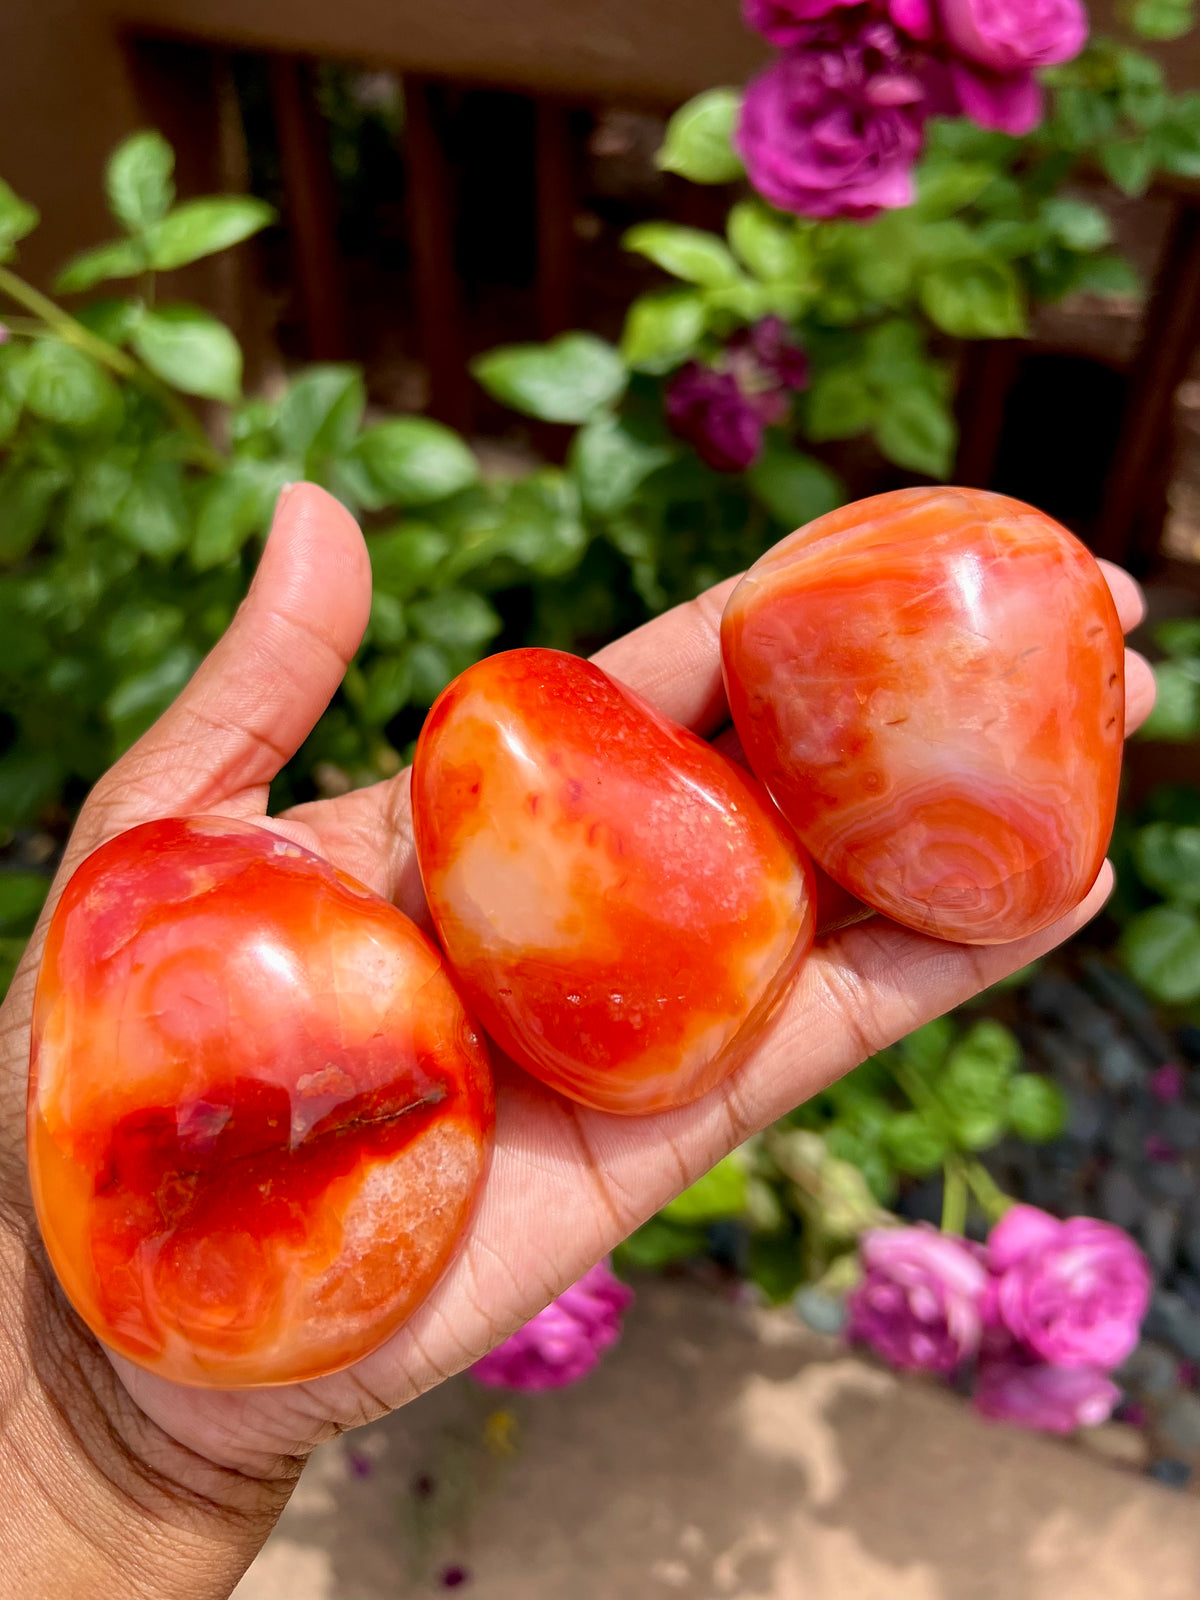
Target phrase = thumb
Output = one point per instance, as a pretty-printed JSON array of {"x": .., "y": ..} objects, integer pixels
[{"x": 264, "y": 685}]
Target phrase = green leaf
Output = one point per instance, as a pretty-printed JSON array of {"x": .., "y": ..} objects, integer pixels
[
  {"x": 1161, "y": 948},
  {"x": 979, "y": 1130},
  {"x": 192, "y": 351},
  {"x": 1129, "y": 163},
  {"x": 914, "y": 1143},
  {"x": 916, "y": 429},
  {"x": 65, "y": 386},
  {"x": 232, "y": 507},
  {"x": 841, "y": 403},
  {"x": 22, "y": 895},
  {"x": 687, "y": 253},
  {"x": 320, "y": 414},
  {"x": 406, "y": 557},
  {"x": 979, "y": 298},
  {"x": 537, "y": 524},
  {"x": 152, "y": 515},
  {"x": 138, "y": 181},
  {"x": 1176, "y": 714},
  {"x": 1037, "y": 1107},
  {"x": 771, "y": 246},
  {"x": 720, "y": 1193},
  {"x": 699, "y": 141},
  {"x": 457, "y": 619},
  {"x": 795, "y": 488},
  {"x": 432, "y": 670},
  {"x": 1162, "y": 20},
  {"x": 28, "y": 781},
  {"x": 1111, "y": 275},
  {"x": 568, "y": 380},
  {"x": 657, "y": 1243},
  {"x": 112, "y": 320},
  {"x": 1179, "y": 637},
  {"x": 610, "y": 463},
  {"x": 136, "y": 702},
  {"x": 662, "y": 329},
  {"x": 17, "y": 218},
  {"x": 944, "y": 187},
  {"x": 26, "y": 495},
  {"x": 1168, "y": 859},
  {"x": 417, "y": 461},
  {"x": 1076, "y": 223},
  {"x": 121, "y": 258},
  {"x": 387, "y": 686},
  {"x": 202, "y": 227},
  {"x": 926, "y": 1048}
]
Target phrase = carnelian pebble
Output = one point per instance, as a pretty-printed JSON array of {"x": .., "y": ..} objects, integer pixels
[
  {"x": 258, "y": 1111},
  {"x": 622, "y": 905},
  {"x": 931, "y": 685}
]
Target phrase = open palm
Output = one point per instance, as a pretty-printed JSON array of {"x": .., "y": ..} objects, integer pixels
[{"x": 566, "y": 1183}]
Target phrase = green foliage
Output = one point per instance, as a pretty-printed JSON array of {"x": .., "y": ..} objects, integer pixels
[
  {"x": 699, "y": 137},
  {"x": 571, "y": 379}
]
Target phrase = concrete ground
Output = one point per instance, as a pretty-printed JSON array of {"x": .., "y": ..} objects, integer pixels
[{"x": 721, "y": 1453}]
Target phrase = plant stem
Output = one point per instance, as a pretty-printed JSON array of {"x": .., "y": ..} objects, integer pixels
[
  {"x": 954, "y": 1197},
  {"x": 992, "y": 1198},
  {"x": 108, "y": 355}
]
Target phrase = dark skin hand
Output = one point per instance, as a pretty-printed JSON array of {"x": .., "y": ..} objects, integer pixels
[{"x": 119, "y": 1483}]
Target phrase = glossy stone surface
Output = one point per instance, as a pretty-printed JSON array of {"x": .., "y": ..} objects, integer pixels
[
  {"x": 258, "y": 1111},
  {"x": 621, "y": 904},
  {"x": 931, "y": 685}
]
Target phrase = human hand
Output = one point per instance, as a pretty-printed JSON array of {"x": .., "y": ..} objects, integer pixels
[{"x": 566, "y": 1183}]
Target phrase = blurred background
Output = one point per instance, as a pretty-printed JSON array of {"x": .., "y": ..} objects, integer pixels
[{"x": 499, "y": 279}]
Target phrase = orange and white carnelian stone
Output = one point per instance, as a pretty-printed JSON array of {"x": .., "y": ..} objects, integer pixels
[
  {"x": 258, "y": 1112},
  {"x": 931, "y": 685},
  {"x": 621, "y": 904}
]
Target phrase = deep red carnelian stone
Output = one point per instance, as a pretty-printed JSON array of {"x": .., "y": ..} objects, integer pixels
[
  {"x": 931, "y": 685},
  {"x": 622, "y": 905},
  {"x": 258, "y": 1111}
]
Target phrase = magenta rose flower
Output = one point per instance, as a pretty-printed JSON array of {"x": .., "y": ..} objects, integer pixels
[
  {"x": 1014, "y": 35},
  {"x": 565, "y": 1341},
  {"x": 786, "y": 22},
  {"x": 921, "y": 1299},
  {"x": 833, "y": 128},
  {"x": 1034, "y": 1394},
  {"x": 766, "y": 357},
  {"x": 709, "y": 410},
  {"x": 1073, "y": 1293},
  {"x": 995, "y": 46}
]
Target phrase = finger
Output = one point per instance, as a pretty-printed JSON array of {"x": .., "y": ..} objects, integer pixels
[
  {"x": 1127, "y": 595},
  {"x": 262, "y": 688},
  {"x": 1139, "y": 690}
]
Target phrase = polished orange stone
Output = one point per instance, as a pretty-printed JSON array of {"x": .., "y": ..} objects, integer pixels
[
  {"x": 931, "y": 685},
  {"x": 258, "y": 1111},
  {"x": 621, "y": 904}
]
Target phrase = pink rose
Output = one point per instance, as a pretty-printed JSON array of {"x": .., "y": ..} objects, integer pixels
[
  {"x": 1034, "y": 1395},
  {"x": 709, "y": 410},
  {"x": 1014, "y": 35},
  {"x": 1005, "y": 102},
  {"x": 565, "y": 1341},
  {"x": 1074, "y": 1293},
  {"x": 785, "y": 22},
  {"x": 920, "y": 1302},
  {"x": 833, "y": 128}
]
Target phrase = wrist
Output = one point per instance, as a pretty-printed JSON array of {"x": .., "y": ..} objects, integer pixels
[{"x": 95, "y": 1498}]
